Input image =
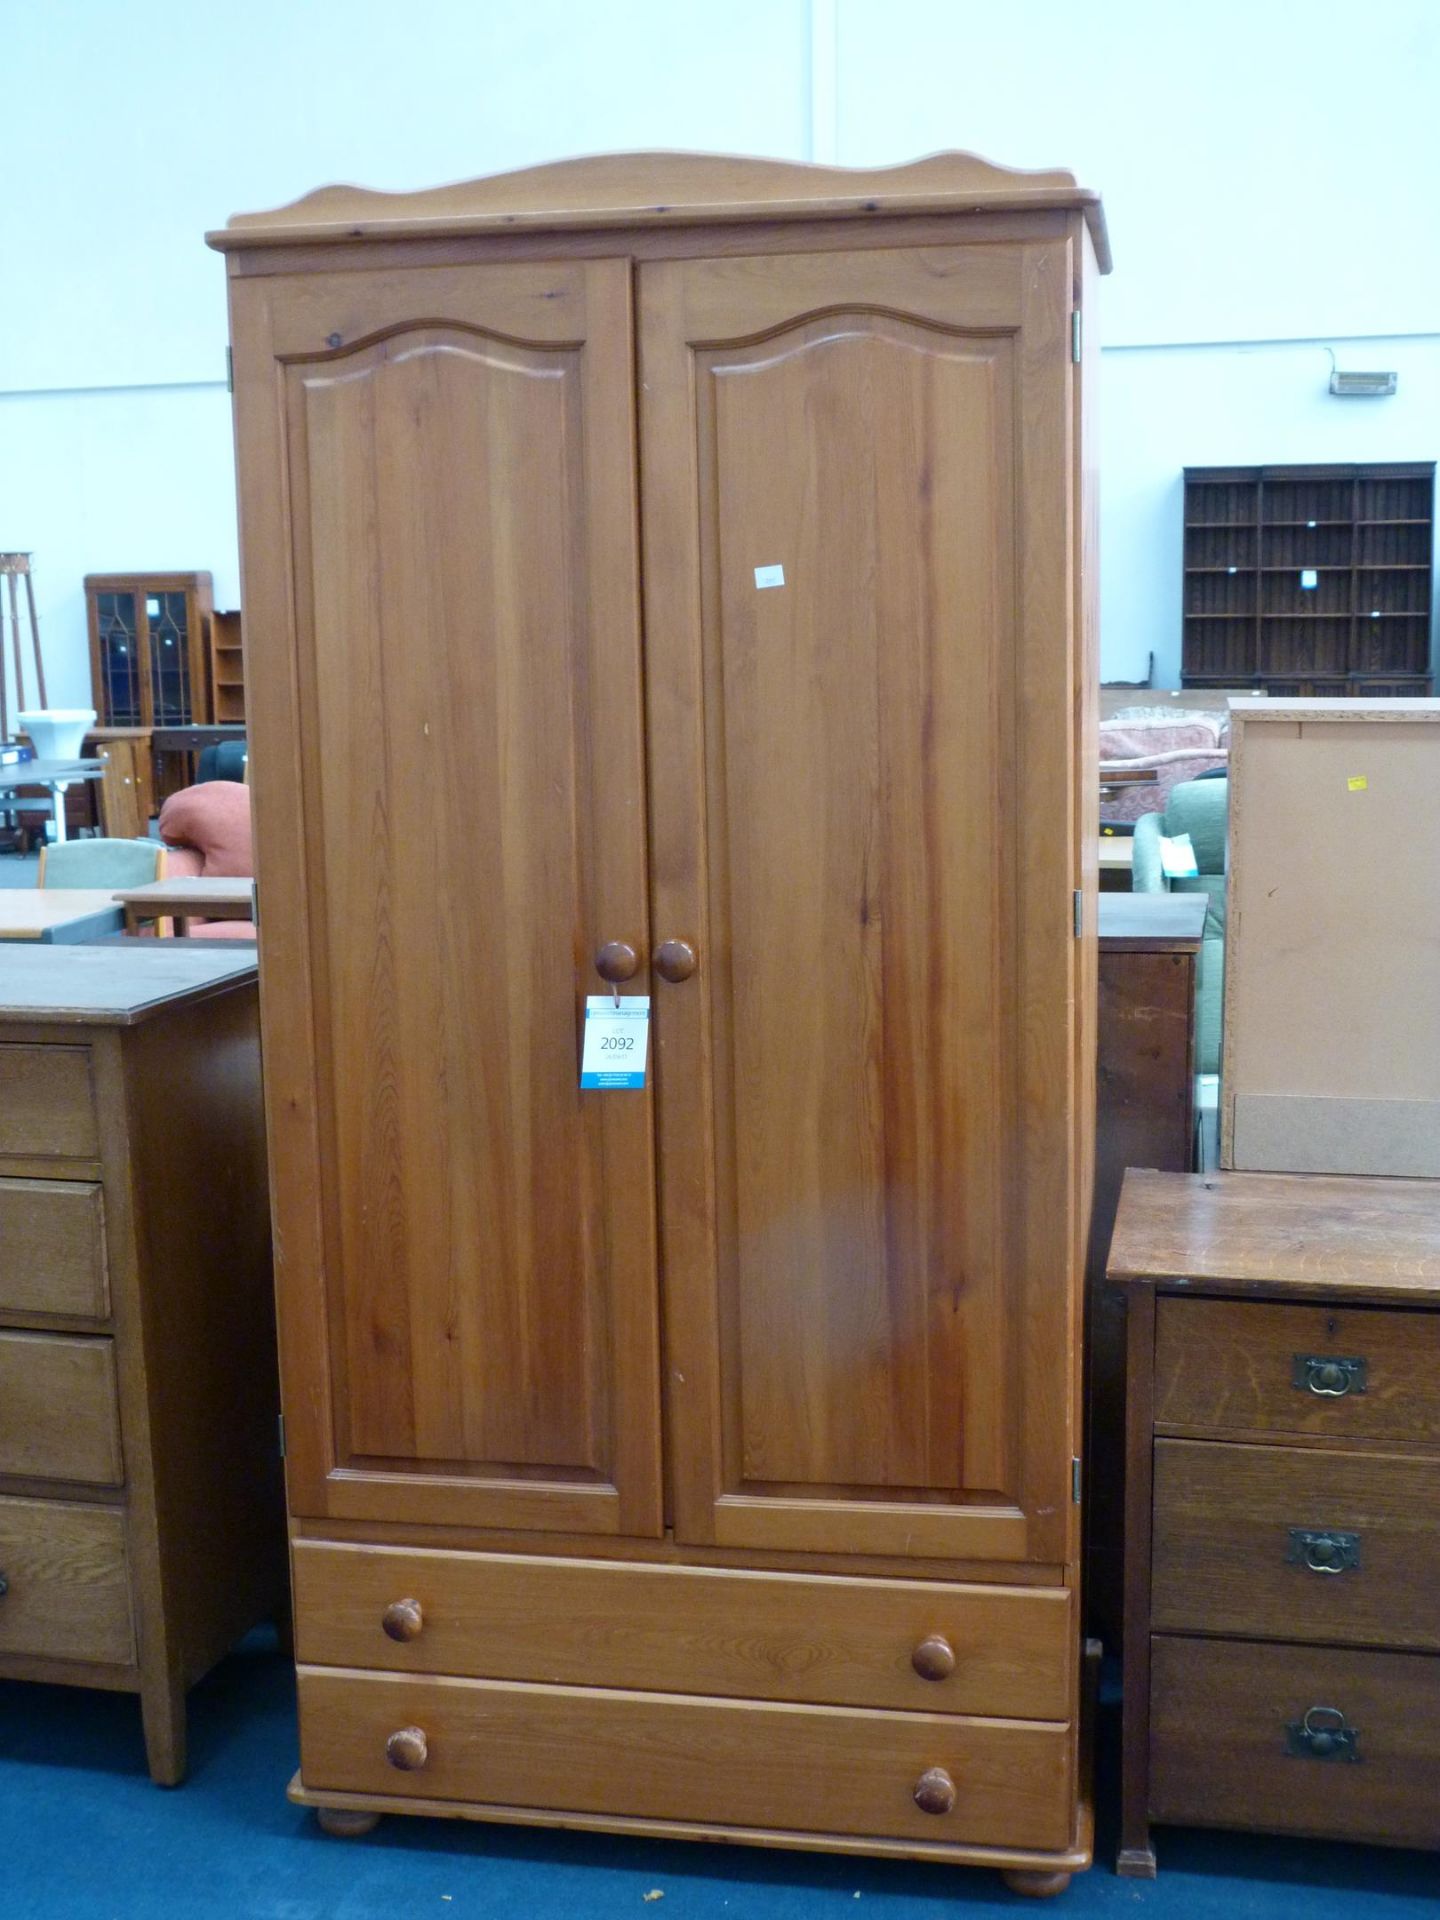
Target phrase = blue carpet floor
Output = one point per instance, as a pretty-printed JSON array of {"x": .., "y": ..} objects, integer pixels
[{"x": 84, "y": 1834}]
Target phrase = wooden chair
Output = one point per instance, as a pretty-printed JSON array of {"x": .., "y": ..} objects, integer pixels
[{"x": 101, "y": 863}]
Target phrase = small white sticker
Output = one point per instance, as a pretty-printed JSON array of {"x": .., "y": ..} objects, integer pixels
[
  {"x": 769, "y": 576},
  {"x": 616, "y": 1040},
  {"x": 1309, "y": 577}
]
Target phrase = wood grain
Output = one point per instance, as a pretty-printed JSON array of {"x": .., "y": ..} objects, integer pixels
[
  {"x": 1222, "y": 1554},
  {"x": 1227, "y": 1364},
  {"x": 841, "y": 1047},
  {"x": 1281, "y": 1233},
  {"x": 1220, "y": 1713},
  {"x": 488, "y": 1354},
  {"x": 59, "y": 1419},
  {"x": 47, "y": 1106},
  {"x": 682, "y": 1630},
  {"x": 68, "y": 1594},
  {"x": 52, "y": 1248},
  {"x": 739, "y": 1762}
]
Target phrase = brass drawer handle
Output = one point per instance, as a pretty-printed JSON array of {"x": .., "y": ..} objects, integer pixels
[
  {"x": 408, "y": 1749},
  {"x": 1327, "y": 1552},
  {"x": 935, "y": 1791},
  {"x": 1326, "y": 1375},
  {"x": 403, "y": 1619},
  {"x": 1324, "y": 1734}
]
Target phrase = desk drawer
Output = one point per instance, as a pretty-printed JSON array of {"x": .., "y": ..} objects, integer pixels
[
  {"x": 1285, "y": 1543},
  {"x": 1241, "y": 1366},
  {"x": 52, "y": 1248},
  {"x": 1222, "y": 1752},
  {"x": 846, "y": 1642},
  {"x": 59, "y": 1415},
  {"x": 47, "y": 1103},
  {"x": 67, "y": 1593},
  {"x": 656, "y": 1756}
]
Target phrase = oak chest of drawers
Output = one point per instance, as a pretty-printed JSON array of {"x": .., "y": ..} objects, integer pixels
[
  {"x": 141, "y": 1522},
  {"x": 1283, "y": 1506}
]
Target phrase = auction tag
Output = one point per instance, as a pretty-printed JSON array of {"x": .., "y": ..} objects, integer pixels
[
  {"x": 617, "y": 1035},
  {"x": 1177, "y": 857},
  {"x": 1357, "y": 783}
]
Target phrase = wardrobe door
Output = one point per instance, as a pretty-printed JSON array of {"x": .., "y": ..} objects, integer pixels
[
  {"x": 859, "y": 618},
  {"x": 441, "y": 601}
]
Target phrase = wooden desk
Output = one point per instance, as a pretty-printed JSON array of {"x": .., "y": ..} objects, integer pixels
[
  {"x": 188, "y": 897},
  {"x": 1145, "y": 1117},
  {"x": 54, "y": 915},
  {"x": 141, "y": 1519},
  {"x": 1282, "y": 1547}
]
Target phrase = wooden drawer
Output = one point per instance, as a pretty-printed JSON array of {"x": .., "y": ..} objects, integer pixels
[
  {"x": 67, "y": 1594},
  {"x": 658, "y": 1756},
  {"x": 844, "y": 1642},
  {"x": 1244, "y": 1366},
  {"x": 59, "y": 1417},
  {"x": 47, "y": 1103},
  {"x": 1220, "y": 1753},
  {"x": 1227, "y": 1558},
  {"x": 52, "y": 1248}
]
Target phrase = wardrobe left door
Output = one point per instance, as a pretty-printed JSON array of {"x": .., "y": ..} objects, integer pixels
[{"x": 438, "y": 519}]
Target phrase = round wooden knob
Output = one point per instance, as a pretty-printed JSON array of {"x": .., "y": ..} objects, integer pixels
[
  {"x": 675, "y": 960},
  {"x": 403, "y": 1619},
  {"x": 408, "y": 1749},
  {"x": 934, "y": 1658},
  {"x": 617, "y": 960},
  {"x": 935, "y": 1791}
]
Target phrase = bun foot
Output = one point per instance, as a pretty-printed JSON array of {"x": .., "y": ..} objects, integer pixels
[
  {"x": 1035, "y": 1884},
  {"x": 346, "y": 1823}
]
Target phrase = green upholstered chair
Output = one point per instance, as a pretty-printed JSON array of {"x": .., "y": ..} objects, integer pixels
[
  {"x": 101, "y": 863},
  {"x": 1196, "y": 807}
]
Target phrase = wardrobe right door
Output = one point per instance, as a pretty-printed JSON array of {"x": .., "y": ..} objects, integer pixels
[{"x": 857, "y": 524}]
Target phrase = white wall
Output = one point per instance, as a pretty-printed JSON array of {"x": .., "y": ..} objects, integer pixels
[{"x": 1270, "y": 173}]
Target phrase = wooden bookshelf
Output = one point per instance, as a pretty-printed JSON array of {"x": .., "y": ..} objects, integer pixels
[
  {"x": 227, "y": 669},
  {"x": 1309, "y": 581}
]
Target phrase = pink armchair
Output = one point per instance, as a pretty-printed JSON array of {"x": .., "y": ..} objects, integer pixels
[{"x": 207, "y": 829}]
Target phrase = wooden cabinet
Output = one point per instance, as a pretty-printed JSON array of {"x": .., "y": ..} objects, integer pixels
[
  {"x": 227, "y": 669},
  {"x": 141, "y": 1521},
  {"x": 806, "y": 1307},
  {"x": 149, "y": 648},
  {"x": 1282, "y": 1637},
  {"x": 1309, "y": 581}
]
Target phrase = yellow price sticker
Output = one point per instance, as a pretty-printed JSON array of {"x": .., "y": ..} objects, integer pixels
[{"x": 1357, "y": 783}]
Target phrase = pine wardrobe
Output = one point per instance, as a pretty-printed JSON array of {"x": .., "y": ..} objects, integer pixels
[{"x": 670, "y": 575}]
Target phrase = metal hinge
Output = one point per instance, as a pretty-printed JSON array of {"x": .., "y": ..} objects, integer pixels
[
  {"x": 255, "y": 906},
  {"x": 1079, "y": 910},
  {"x": 1075, "y": 1478},
  {"x": 280, "y": 1428},
  {"x": 1075, "y": 335},
  {"x": 229, "y": 369}
]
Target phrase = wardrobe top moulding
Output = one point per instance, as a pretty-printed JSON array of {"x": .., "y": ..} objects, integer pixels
[{"x": 663, "y": 190}]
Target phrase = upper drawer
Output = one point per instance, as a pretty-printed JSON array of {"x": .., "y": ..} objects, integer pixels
[
  {"x": 1265, "y": 1366},
  {"x": 59, "y": 1418},
  {"x": 763, "y": 1636},
  {"x": 67, "y": 1591},
  {"x": 52, "y": 1248},
  {"x": 1296, "y": 1543},
  {"x": 47, "y": 1104}
]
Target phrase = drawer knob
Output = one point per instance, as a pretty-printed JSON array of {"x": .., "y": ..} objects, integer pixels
[
  {"x": 934, "y": 1658},
  {"x": 403, "y": 1619},
  {"x": 407, "y": 1749},
  {"x": 1328, "y": 1376},
  {"x": 1327, "y": 1552},
  {"x": 617, "y": 960},
  {"x": 675, "y": 960},
  {"x": 1324, "y": 1734},
  {"x": 935, "y": 1791}
]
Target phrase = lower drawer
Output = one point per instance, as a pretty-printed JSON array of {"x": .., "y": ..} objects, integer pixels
[
  {"x": 52, "y": 1248},
  {"x": 657, "y": 1756},
  {"x": 1244, "y": 1735},
  {"x": 909, "y": 1644},
  {"x": 67, "y": 1592},
  {"x": 59, "y": 1416}
]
